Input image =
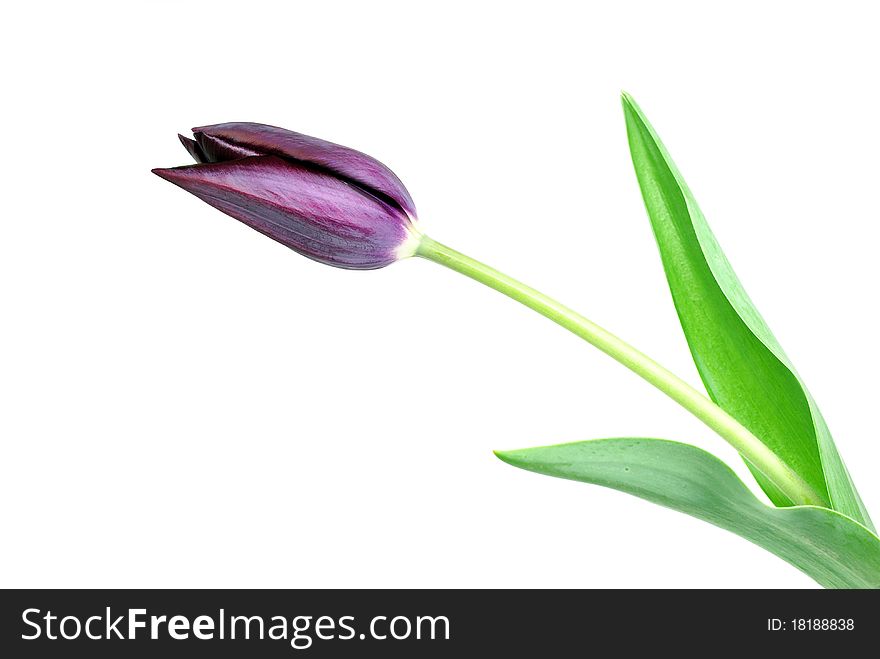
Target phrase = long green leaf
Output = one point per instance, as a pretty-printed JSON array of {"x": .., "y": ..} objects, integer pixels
[
  {"x": 740, "y": 362},
  {"x": 829, "y": 547}
]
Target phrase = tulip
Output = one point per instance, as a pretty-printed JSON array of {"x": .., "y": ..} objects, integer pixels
[
  {"x": 328, "y": 202},
  {"x": 344, "y": 208}
]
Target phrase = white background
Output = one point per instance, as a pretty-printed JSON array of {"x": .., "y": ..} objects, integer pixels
[{"x": 187, "y": 403}]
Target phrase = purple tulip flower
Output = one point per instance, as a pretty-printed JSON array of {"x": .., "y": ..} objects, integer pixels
[{"x": 328, "y": 202}]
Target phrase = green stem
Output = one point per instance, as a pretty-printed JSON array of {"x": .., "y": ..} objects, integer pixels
[{"x": 749, "y": 446}]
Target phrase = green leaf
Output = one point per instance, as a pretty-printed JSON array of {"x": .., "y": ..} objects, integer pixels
[
  {"x": 829, "y": 547},
  {"x": 740, "y": 362}
]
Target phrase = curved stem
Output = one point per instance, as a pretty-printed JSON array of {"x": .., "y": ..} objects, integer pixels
[{"x": 677, "y": 389}]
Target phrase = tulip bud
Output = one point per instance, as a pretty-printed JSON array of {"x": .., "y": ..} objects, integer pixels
[{"x": 328, "y": 202}]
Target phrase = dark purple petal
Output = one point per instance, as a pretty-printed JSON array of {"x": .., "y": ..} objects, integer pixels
[
  {"x": 235, "y": 140},
  {"x": 310, "y": 211},
  {"x": 195, "y": 150},
  {"x": 216, "y": 149}
]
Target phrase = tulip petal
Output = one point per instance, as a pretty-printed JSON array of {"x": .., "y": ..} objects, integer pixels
[
  {"x": 224, "y": 141},
  {"x": 194, "y": 149},
  {"x": 310, "y": 211},
  {"x": 216, "y": 149}
]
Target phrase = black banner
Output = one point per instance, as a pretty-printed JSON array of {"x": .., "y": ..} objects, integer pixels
[{"x": 428, "y": 623}]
